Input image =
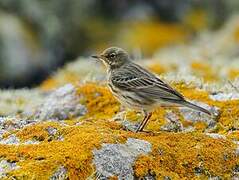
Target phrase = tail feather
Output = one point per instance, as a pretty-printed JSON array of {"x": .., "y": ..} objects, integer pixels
[{"x": 195, "y": 107}]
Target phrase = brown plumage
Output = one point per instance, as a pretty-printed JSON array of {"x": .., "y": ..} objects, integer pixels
[{"x": 137, "y": 88}]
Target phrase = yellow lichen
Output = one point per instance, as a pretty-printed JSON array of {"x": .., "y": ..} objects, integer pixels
[
  {"x": 179, "y": 155},
  {"x": 149, "y": 36},
  {"x": 37, "y": 132},
  {"x": 74, "y": 153},
  {"x": 233, "y": 74},
  {"x": 60, "y": 80},
  {"x": 99, "y": 100},
  {"x": 157, "y": 68},
  {"x": 204, "y": 70},
  {"x": 236, "y": 34},
  {"x": 200, "y": 126}
]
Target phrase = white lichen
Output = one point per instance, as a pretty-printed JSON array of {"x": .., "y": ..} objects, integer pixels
[{"x": 61, "y": 104}]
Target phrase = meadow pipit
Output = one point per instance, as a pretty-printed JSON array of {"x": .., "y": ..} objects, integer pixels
[{"x": 137, "y": 88}]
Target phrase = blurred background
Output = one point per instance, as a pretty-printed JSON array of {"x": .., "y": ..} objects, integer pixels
[{"x": 39, "y": 36}]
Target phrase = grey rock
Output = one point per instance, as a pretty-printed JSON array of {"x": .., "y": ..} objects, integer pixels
[
  {"x": 127, "y": 125},
  {"x": 150, "y": 177},
  {"x": 224, "y": 96},
  {"x": 11, "y": 140},
  {"x": 166, "y": 178},
  {"x": 237, "y": 148},
  {"x": 173, "y": 123},
  {"x": 195, "y": 116},
  {"x": 117, "y": 159},
  {"x": 216, "y": 136},
  {"x": 215, "y": 178},
  {"x": 8, "y": 124},
  {"x": 54, "y": 134},
  {"x": 51, "y": 131},
  {"x": 5, "y": 167},
  {"x": 61, "y": 104},
  {"x": 60, "y": 174},
  {"x": 28, "y": 142}
]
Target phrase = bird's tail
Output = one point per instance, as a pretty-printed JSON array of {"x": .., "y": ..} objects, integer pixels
[{"x": 195, "y": 107}]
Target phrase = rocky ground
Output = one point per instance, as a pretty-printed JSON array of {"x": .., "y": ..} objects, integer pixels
[{"x": 72, "y": 127}]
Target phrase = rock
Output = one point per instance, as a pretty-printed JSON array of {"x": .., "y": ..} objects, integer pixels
[
  {"x": 60, "y": 174},
  {"x": 13, "y": 123},
  {"x": 61, "y": 104},
  {"x": 5, "y": 167},
  {"x": 11, "y": 140},
  {"x": 31, "y": 142},
  {"x": 54, "y": 134},
  {"x": 127, "y": 125},
  {"x": 192, "y": 115},
  {"x": 216, "y": 136},
  {"x": 173, "y": 123},
  {"x": 224, "y": 96},
  {"x": 117, "y": 159}
]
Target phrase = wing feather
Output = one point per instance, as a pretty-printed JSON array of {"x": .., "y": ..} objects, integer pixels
[{"x": 144, "y": 84}]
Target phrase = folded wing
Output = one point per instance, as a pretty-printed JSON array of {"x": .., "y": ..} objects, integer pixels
[{"x": 145, "y": 84}]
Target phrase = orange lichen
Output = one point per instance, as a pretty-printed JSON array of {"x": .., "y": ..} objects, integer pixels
[
  {"x": 179, "y": 155},
  {"x": 236, "y": 34},
  {"x": 233, "y": 135},
  {"x": 75, "y": 152},
  {"x": 37, "y": 132},
  {"x": 157, "y": 68},
  {"x": 168, "y": 157},
  {"x": 133, "y": 116},
  {"x": 150, "y": 36},
  {"x": 157, "y": 119},
  {"x": 99, "y": 100},
  {"x": 200, "y": 126},
  {"x": 233, "y": 74},
  {"x": 204, "y": 70},
  {"x": 60, "y": 80},
  {"x": 190, "y": 92}
]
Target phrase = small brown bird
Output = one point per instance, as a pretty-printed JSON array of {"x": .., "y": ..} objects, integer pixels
[{"x": 137, "y": 88}]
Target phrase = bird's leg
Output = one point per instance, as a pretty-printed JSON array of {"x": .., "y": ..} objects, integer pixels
[{"x": 144, "y": 122}]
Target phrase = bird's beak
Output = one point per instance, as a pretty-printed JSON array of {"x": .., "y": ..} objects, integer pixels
[
  {"x": 95, "y": 56},
  {"x": 98, "y": 57}
]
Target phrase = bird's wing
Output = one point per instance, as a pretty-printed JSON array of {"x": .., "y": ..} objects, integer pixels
[{"x": 145, "y": 84}]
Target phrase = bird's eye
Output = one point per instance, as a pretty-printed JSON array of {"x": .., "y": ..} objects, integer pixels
[{"x": 112, "y": 55}]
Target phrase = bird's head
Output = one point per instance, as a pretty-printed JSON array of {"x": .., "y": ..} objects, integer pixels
[{"x": 113, "y": 57}]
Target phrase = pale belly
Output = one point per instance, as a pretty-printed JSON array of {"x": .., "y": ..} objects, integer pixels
[{"x": 131, "y": 100}]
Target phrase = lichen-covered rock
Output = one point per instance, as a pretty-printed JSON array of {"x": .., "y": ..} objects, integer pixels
[{"x": 61, "y": 104}]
